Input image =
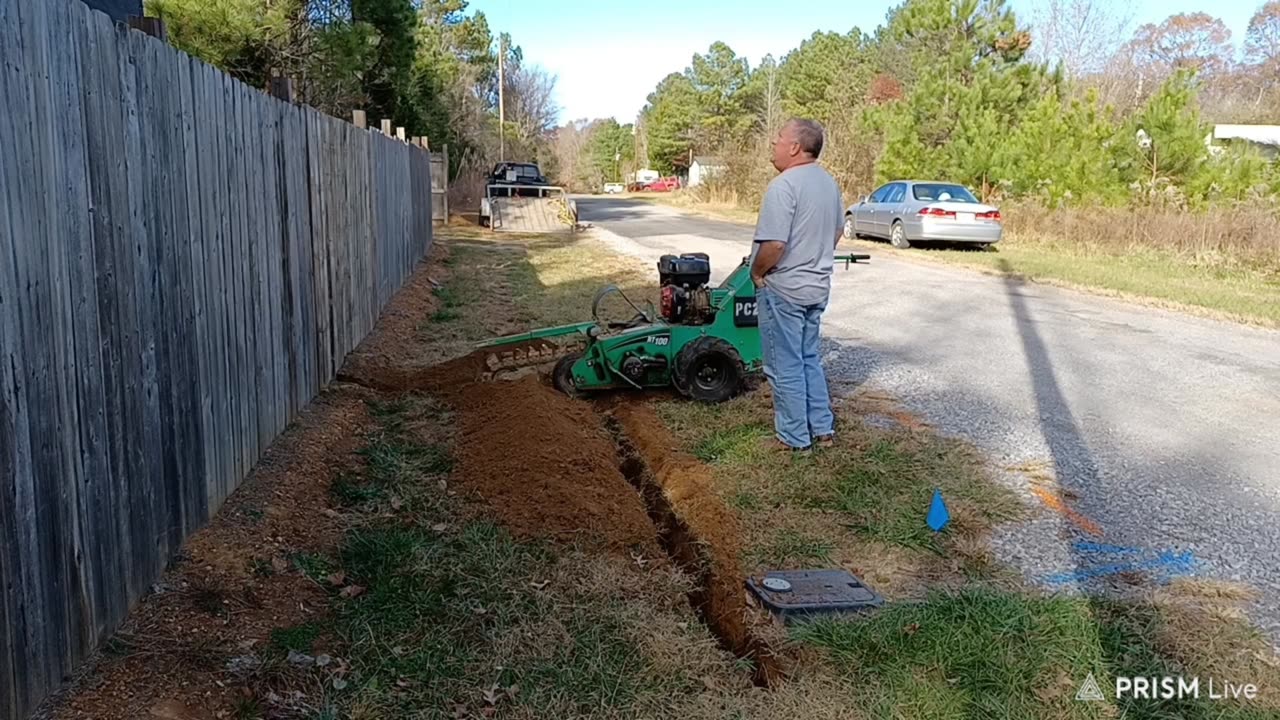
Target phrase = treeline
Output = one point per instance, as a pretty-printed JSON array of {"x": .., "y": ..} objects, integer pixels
[
  {"x": 960, "y": 89},
  {"x": 427, "y": 65},
  {"x": 589, "y": 153}
]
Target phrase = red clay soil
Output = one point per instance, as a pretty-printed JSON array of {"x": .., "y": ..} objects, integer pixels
[
  {"x": 707, "y": 525},
  {"x": 545, "y": 464}
]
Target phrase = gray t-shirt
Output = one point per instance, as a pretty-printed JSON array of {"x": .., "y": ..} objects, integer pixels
[{"x": 804, "y": 209}]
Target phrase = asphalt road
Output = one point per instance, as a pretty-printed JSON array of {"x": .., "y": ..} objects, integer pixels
[{"x": 1163, "y": 428}]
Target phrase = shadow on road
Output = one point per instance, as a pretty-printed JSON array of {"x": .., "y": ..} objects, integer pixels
[
  {"x": 1099, "y": 558},
  {"x": 1074, "y": 469}
]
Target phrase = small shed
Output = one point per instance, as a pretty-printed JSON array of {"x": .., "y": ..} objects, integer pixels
[{"x": 703, "y": 168}]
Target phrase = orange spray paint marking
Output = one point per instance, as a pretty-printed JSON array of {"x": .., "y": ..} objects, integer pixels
[{"x": 1054, "y": 502}]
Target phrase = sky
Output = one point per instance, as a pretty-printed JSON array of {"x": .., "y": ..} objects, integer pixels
[{"x": 608, "y": 55}]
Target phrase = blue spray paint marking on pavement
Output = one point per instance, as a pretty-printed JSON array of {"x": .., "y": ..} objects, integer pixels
[
  {"x": 1170, "y": 564},
  {"x": 1103, "y": 548},
  {"x": 938, "y": 516}
]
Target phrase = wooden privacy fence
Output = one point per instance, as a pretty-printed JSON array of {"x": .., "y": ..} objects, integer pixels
[{"x": 184, "y": 264}]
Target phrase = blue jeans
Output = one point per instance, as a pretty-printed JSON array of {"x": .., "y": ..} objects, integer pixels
[{"x": 789, "y": 337}]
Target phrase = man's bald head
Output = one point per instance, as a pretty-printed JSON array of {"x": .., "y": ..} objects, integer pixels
[{"x": 799, "y": 142}]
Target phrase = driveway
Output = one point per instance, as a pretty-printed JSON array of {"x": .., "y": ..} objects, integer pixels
[{"x": 1148, "y": 439}]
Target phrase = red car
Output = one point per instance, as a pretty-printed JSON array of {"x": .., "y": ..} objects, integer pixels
[{"x": 666, "y": 184}]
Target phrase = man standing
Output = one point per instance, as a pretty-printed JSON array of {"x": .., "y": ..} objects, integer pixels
[{"x": 800, "y": 222}]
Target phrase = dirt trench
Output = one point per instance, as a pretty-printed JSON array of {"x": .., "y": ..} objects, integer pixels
[
  {"x": 696, "y": 529},
  {"x": 551, "y": 466}
]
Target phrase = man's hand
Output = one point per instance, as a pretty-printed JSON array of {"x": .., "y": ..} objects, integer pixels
[{"x": 767, "y": 256}]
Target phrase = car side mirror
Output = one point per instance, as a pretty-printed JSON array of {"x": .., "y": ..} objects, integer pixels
[{"x": 865, "y": 199}]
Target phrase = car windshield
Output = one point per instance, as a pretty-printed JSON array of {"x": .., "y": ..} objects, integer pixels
[{"x": 941, "y": 192}]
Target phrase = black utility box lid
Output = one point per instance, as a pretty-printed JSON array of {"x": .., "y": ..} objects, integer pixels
[{"x": 813, "y": 592}]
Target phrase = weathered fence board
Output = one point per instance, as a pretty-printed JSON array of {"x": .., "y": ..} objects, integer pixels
[{"x": 184, "y": 264}]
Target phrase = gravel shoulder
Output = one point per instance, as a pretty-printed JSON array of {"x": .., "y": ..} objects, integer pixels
[{"x": 1146, "y": 436}]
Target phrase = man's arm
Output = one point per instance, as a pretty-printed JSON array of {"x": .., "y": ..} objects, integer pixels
[
  {"x": 768, "y": 254},
  {"x": 773, "y": 229},
  {"x": 839, "y": 216}
]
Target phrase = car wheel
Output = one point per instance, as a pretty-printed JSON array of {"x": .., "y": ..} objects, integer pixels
[
  {"x": 848, "y": 233},
  {"x": 898, "y": 236}
]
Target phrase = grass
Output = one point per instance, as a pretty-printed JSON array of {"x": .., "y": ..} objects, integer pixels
[
  {"x": 313, "y": 565},
  {"x": 970, "y": 654},
  {"x": 298, "y": 638},
  {"x": 986, "y": 653},
  {"x": 503, "y": 283},
  {"x": 876, "y": 484},
  {"x": 789, "y": 546}
]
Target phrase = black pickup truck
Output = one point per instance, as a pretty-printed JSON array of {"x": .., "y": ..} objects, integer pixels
[{"x": 526, "y": 177}]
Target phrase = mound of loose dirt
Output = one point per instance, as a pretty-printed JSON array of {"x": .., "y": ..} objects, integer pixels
[{"x": 545, "y": 463}]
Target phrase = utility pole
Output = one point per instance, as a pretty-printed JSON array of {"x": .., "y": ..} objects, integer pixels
[{"x": 502, "y": 115}]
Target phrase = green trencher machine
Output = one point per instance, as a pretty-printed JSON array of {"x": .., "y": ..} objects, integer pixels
[{"x": 703, "y": 340}]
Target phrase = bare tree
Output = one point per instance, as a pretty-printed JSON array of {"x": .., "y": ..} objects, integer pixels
[
  {"x": 1081, "y": 34},
  {"x": 1189, "y": 41},
  {"x": 569, "y": 149},
  {"x": 770, "y": 89},
  {"x": 530, "y": 92}
]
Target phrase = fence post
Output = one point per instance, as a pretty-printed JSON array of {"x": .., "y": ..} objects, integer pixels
[
  {"x": 359, "y": 119},
  {"x": 282, "y": 88},
  {"x": 152, "y": 26},
  {"x": 445, "y": 182},
  {"x": 386, "y": 128},
  {"x": 400, "y": 134}
]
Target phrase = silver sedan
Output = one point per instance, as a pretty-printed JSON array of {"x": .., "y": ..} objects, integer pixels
[{"x": 907, "y": 211}]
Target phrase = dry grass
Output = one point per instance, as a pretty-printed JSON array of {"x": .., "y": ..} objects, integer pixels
[
  {"x": 1224, "y": 238},
  {"x": 860, "y": 505}
]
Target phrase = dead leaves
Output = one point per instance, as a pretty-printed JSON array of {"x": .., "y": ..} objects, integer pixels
[
  {"x": 352, "y": 591},
  {"x": 491, "y": 697}
]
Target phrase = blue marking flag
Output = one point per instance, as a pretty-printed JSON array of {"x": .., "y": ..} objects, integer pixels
[{"x": 938, "y": 515}]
